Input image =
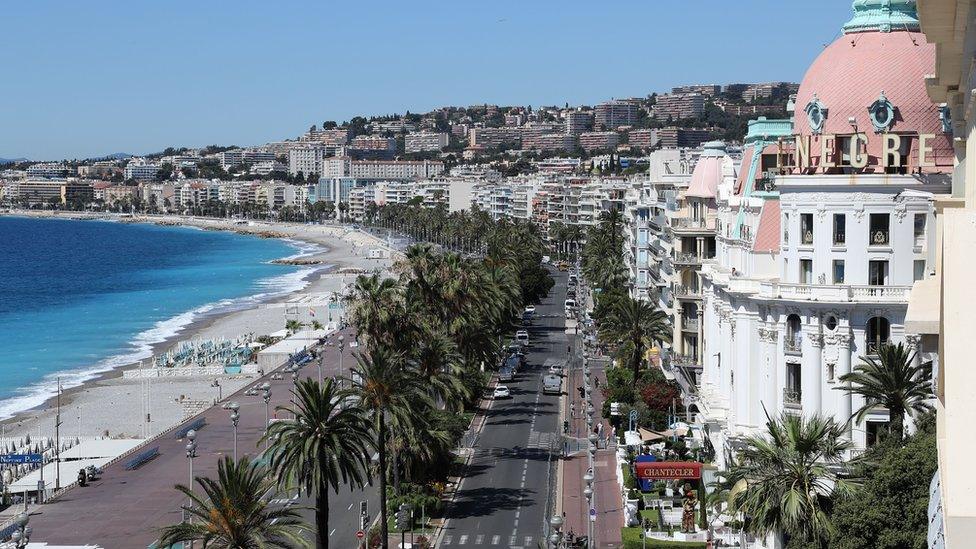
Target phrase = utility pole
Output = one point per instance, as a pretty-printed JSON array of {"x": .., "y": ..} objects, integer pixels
[{"x": 57, "y": 442}]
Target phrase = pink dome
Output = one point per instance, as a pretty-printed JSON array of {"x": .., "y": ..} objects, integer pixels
[
  {"x": 853, "y": 72},
  {"x": 708, "y": 171}
]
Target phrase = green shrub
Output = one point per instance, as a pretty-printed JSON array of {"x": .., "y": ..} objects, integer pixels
[{"x": 632, "y": 540}]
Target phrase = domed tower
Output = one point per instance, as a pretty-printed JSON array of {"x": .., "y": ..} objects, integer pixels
[{"x": 862, "y": 106}]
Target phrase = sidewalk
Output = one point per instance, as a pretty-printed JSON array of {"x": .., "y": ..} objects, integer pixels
[{"x": 606, "y": 490}]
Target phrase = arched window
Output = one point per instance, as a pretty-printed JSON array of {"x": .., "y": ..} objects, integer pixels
[
  {"x": 877, "y": 333},
  {"x": 792, "y": 342}
]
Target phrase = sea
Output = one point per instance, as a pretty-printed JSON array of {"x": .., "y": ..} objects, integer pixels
[{"x": 80, "y": 297}]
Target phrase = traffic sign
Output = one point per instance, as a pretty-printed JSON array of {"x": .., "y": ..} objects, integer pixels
[
  {"x": 360, "y": 534},
  {"x": 17, "y": 459},
  {"x": 592, "y": 514}
]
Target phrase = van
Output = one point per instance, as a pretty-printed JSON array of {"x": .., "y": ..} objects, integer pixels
[
  {"x": 506, "y": 374},
  {"x": 552, "y": 385},
  {"x": 570, "y": 304},
  {"x": 522, "y": 336}
]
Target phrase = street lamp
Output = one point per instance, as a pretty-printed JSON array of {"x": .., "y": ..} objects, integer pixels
[
  {"x": 342, "y": 346},
  {"x": 191, "y": 452},
  {"x": 266, "y": 387},
  {"x": 235, "y": 418},
  {"x": 556, "y": 522}
]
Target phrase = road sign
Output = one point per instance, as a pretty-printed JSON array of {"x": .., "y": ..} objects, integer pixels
[
  {"x": 17, "y": 459},
  {"x": 592, "y": 514},
  {"x": 360, "y": 534}
]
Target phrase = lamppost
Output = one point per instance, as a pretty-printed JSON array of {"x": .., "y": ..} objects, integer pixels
[
  {"x": 266, "y": 387},
  {"x": 556, "y": 535},
  {"x": 191, "y": 452},
  {"x": 21, "y": 536},
  {"x": 342, "y": 347},
  {"x": 235, "y": 418}
]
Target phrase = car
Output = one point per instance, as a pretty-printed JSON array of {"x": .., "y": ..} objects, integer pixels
[
  {"x": 556, "y": 369},
  {"x": 573, "y": 279},
  {"x": 552, "y": 385},
  {"x": 506, "y": 374},
  {"x": 530, "y": 310},
  {"x": 522, "y": 336},
  {"x": 501, "y": 391}
]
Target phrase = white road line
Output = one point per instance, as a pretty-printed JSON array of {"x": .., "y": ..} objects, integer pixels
[
  {"x": 448, "y": 539},
  {"x": 511, "y": 541},
  {"x": 350, "y": 506},
  {"x": 528, "y": 541},
  {"x": 479, "y": 539},
  {"x": 463, "y": 540},
  {"x": 495, "y": 539},
  {"x": 332, "y": 532}
]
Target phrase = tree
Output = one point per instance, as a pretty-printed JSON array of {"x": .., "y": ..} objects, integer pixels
[
  {"x": 785, "y": 479},
  {"x": 891, "y": 379},
  {"x": 232, "y": 512},
  {"x": 327, "y": 443},
  {"x": 293, "y": 325},
  {"x": 388, "y": 390},
  {"x": 638, "y": 324},
  {"x": 892, "y": 508}
]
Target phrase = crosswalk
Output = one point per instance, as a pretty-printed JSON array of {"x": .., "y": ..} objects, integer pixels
[
  {"x": 488, "y": 540},
  {"x": 542, "y": 441}
]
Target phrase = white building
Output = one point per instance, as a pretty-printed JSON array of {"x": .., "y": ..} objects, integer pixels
[
  {"x": 425, "y": 141},
  {"x": 344, "y": 166},
  {"x": 821, "y": 238},
  {"x": 140, "y": 169},
  {"x": 48, "y": 170}
]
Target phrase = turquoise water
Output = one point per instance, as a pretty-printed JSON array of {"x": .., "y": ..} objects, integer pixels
[{"x": 80, "y": 297}]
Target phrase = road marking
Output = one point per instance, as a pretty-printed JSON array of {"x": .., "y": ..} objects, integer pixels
[
  {"x": 480, "y": 539},
  {"x": 511, "y": 541},
  {"x": 332, "y": 532},
  {"x": 350, "y": 507},
  {"x": 528, "y": 541},
  {"x": 463, "y": 540},
  {"x": 448, "y": 539},
  {"x": 495, "y": 539}
]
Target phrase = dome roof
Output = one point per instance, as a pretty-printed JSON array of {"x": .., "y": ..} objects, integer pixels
[
  {"x": 873, "y": 77},
  {"x": 712, "y": 167}
]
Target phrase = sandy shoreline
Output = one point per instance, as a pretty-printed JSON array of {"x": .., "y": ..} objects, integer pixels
[{"x": 109, "y": 404}]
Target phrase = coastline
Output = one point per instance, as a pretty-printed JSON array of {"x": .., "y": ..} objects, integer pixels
[{"x": 107, "y": 404}]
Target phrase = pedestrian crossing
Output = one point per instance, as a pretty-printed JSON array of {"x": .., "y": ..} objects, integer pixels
[
  {"x": 487, "y": 540},
  {"x": 542, "y": 441}
]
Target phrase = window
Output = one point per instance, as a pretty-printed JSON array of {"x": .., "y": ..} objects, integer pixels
[
  {"x": 786, "y": 229},
  {"x": 791, "y": 343},
  {"x": 830, "y": 371},
  {"x": 879, "y": 230},
  {"x": 920, "y": 229},
  {"x": 838, "y": 271},
  {"x": 806, "y": 228},
  {"x": 873, "y": 429},
  {"x": 919, "y": 269},
  {"x": 791, "y": 392},
  {"x": 806, "y": 271},
  {"x": 877, "y": 333},
  {"x": 840, "y": 229},
  {"x": 877, "y": 273}
]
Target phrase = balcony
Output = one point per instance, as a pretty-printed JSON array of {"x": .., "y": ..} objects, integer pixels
[
  {"x": 690, "y": 324},
  {"x": 791, "y": 397},
  {"x": 806, "y": 238},
  {"x": 792, "y": 344},
  {"x": 879, "y": 238},
  {"x": 689, "y": 225},
  {"x": 834, "y": 293},
  {"x": 686, "y": 292},
  {"x": 686, "y": 258},
  {"x": 685, "y": 361}
]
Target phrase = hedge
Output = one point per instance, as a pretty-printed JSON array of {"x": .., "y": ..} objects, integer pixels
[{"x": 632, "y": 540}]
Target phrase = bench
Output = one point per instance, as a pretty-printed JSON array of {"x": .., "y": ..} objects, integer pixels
[
  {"x": 196, "y": 425},
  {"x": 141, "y": 458}
]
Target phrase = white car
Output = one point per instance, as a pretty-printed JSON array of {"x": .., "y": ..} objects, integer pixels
[
  {"x": 530, "y": 310},
  {"x": 522, "y": 336},
  {"x": 501, "y": 391}
]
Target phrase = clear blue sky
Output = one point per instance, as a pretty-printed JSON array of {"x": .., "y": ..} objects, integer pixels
[{"x": 92, "y": 78}]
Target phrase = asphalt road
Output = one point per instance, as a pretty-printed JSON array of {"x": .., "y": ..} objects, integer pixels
[
  {"x": 502, "y": 500},
  {"x": 126, "y": 508}
]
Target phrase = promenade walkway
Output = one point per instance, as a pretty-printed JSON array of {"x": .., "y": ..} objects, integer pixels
[
  {"x": 607, "y": 502},
  {"x": 127, "y": 508}
]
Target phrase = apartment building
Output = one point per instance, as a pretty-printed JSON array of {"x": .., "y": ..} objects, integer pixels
[
  {"x": 678, "y": 106},
  {"x": 495, "y": 138},
  {"x": 48, "y": 170},
  {"x": 344, "y": 166},
  {"x": 307, "y": 160},
  {"x": 577, "y": 122},
  {"x": 710, "y": 90},
  {"x": 755, "y": 92},
  {"x": 425, "y": 141},
  {"x": 46, "y": 191},
  {"x": 644, "y": 139},
  {"x": 268, "y": 167},
  {"x": 549, "y": 142},
  {"x": 672, "y": 137},
  {"x": 334, "y": 137},
  {"x": 612, "y": 114},
  {"x": 599, "y": 141},
  {"x": 140, "y": 169}
]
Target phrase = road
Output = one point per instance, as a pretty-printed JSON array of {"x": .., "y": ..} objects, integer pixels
[
  {"x": 126, "y": 508},
  {"x": 502, "y": 500}
]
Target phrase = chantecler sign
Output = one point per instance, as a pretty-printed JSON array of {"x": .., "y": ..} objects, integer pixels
[{"x": 668, "y": 470}]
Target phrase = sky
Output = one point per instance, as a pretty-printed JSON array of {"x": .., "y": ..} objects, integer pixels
[{"x": 85, "y": 79}]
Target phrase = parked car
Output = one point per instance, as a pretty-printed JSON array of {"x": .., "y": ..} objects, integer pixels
[
  {"x": 556, "y": 369},
  {"x": 501, "y": 391},
  {"x": 552, "y": 385},
  {"x": 530, "y": 310},
  {"x": 506, "y": 374},
  {"x": 522, "y": 336}
]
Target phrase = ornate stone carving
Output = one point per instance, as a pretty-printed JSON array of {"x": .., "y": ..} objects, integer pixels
[
  {"x": 816, "y": 340},
  {"x": 842, "y": 340}
]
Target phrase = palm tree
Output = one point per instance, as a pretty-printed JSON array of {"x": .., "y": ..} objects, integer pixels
[
  {"x": 328, "y": 442},
  {"x": 891, "y": 379},
  {"x": 638, "y": 324},
  {"x": 232, "y": 512},
  {"x": 388, "y": 390},
  {"x": 376, "y": 304},
  {"x": 293, "y": 326},
  {"x": 784, "y": 479}
]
